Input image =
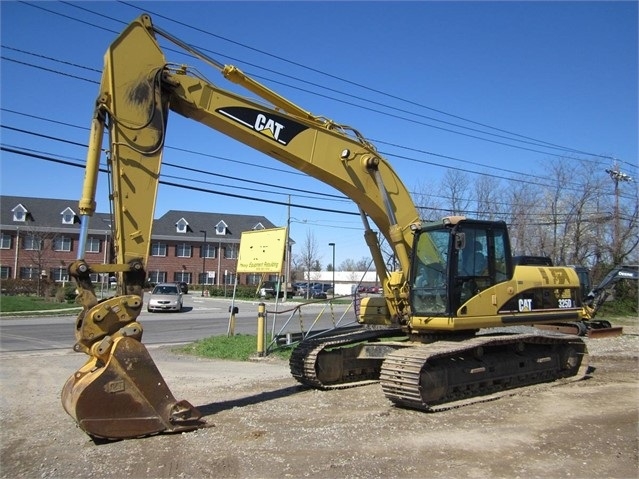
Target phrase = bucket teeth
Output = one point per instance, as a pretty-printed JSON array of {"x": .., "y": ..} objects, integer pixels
[{"x": 126, "y": 396}]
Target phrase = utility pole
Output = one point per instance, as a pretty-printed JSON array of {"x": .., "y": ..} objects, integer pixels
[
  {"x": 617, "y": 176},
  {"x": 204, "y": 252},
  {"x": 333, "y": 246}
]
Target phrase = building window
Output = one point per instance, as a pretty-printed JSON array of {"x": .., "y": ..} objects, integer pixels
[
  {"x": 182, "y": 276},
  {"x": 60, "y": 274},
  {"x": 230, "y": 251},
  {"x": 229, "y": 278},
  {"x": 29, "y": 272},
  {"x": 32, "y": 242},
  {"x": 206, "y": 279},
  {"x": 68, "y": 216},
  {"x": 19, "y": 213},
  {"x": 62, "y": 243},
  {"x": 158, "y": 249},
  {"x": 220, "y": 228},
  {"x": 157, "y": 277},
  {"x": 207, "y": 251},
  {"x": 5, "y": 272},
  {"x": 5, "y": 241},
  {"x": 182, "y": 226},
  {"x": 253, "y": 279},
  {"x": 183, "y": 250},
  {"x": 93, "y": 245}
]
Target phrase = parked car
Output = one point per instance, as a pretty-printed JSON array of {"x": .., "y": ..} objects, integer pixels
[
  {"x": 269, "y": 287},
  {"x": 184, "y": 287},
  {"x": 165, "y": 297},
  {"x": 318, "y": 291},
  {"x": 300, "y": 288},
  {"x": 315, "y": 290},
  {"x": 369, "y": 289}
]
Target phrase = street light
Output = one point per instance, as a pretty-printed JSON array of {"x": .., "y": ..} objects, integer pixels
[
  {"x": 203, "y": 262},
  {"x": 333, "y": 246}
]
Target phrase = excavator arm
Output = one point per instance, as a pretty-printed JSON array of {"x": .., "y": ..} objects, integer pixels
[
  {"x": 119, "y": 392},
  {"x": 597, "y": 297}
]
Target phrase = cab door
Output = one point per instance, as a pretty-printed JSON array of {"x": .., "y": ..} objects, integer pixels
[{"x": 480, "y": 258}]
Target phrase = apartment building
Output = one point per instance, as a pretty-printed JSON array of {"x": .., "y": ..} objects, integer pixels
[{"x": 39, "y": 237}]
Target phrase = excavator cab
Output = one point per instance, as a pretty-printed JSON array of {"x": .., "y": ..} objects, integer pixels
[{"x": 456, "y": 259}]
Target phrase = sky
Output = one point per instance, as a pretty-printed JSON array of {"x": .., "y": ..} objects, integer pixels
[{"x": 487, "y": 87}]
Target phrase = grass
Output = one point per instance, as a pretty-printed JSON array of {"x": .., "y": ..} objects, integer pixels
[
  {"x": 18, "y": 304},
  {"x": 241, "y": 347}
]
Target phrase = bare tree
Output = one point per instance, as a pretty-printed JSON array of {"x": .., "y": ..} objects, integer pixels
[
  {"x": 525, "y": 237},
  {"x": 487, "y": 192},
  {"x": 36, "y": 242},
  {"x": 456, "y": 187},
  {"x": 629, "y": 234},
  {"x": 429, "y": 202},
  {"x": 308, "y": 259},
  {"x": 581, "y": 213},
  {"x": 352, "y": 265},
  {"x": 583, "y": 223},
  {"x": 363, "y": 264},
  {"x": 555, "y": 205}
]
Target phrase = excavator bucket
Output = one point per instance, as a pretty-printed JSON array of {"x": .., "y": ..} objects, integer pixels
[{"x": 126, "y": 396}]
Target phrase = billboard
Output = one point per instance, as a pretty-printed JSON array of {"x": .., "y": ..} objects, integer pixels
[{"x": 262, "y": 251}]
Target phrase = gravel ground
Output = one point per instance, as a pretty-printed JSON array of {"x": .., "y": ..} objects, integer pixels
[{"x": 262, "y": 425}]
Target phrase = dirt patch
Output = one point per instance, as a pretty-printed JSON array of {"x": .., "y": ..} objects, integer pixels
[{"x": 262, "y": 425}]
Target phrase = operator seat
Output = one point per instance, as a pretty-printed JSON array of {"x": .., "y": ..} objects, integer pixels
[{"x": 475, "y": 261}]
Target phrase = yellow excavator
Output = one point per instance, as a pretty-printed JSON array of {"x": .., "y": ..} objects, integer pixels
[{"x": 430, "y": 339}]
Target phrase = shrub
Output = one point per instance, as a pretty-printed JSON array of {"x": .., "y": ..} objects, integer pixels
[{"x": 13, "y": 287}]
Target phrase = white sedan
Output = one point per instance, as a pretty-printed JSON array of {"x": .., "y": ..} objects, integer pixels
[{"x": 165, "y": 297}]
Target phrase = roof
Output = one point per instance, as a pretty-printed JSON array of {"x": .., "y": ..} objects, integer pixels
[
  {"x": 46, "y": 213},
  {"x": 200, "y": 221}
]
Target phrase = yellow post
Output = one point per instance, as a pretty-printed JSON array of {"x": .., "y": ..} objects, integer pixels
[
  {"x": 231, "y": 329},
  {"x": 261, "y": 328}
]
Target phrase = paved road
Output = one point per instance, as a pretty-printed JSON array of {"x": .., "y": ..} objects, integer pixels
[{"x": 201, "y": 317}]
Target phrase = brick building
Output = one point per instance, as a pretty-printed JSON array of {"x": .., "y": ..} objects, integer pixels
[{"x": 40, "y": 236}]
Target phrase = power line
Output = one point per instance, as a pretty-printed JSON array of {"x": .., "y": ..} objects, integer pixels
[
  {"x": 374, "y": 140},
  {"x": 95, "y": 70},
  {"x": 388, "y": 154},
  {"x": 528, "y": 177},
  {"x": 78, "y": 164},
  {"x": 288, "y": 188},
  {"x": 191, "y": 188},
  {"x": 365, "y": 87},
  {"x": 2, "y": 57},
  {"x": 100, "y": 27},
  {"x": 524, "y": 139}
]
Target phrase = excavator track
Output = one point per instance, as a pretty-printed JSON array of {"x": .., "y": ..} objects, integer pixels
[
  {"x": 425, "y": 376},
  {"x": 334, "y": 362}
]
